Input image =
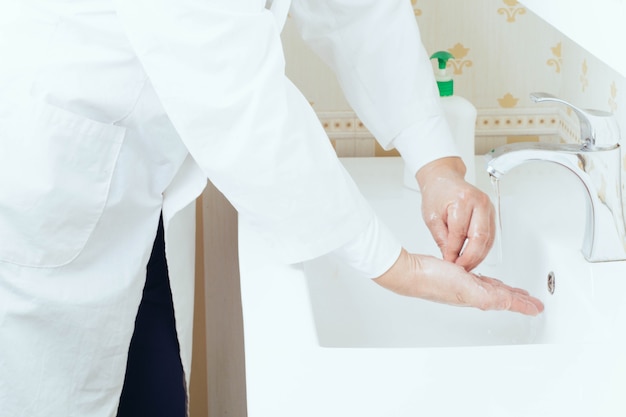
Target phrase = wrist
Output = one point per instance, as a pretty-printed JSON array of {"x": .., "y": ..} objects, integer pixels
[{"x": 449, "y": 167}]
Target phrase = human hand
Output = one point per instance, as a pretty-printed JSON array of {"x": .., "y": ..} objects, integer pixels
[
  {"x": 456, "y": 213},
  {"x": 432, "y": 279}
]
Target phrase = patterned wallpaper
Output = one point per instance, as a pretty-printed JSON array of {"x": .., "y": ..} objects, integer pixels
[{"x": 502, "y": 53}]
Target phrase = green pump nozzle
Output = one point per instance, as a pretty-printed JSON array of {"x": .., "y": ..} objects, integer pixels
[{"x": 444, "y": 81}]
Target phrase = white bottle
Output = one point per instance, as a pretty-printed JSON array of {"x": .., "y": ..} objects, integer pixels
[{"x": 461, "y": 117}]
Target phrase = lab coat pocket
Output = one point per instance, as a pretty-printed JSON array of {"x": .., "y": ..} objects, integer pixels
[{"x": 55, "y": 173}]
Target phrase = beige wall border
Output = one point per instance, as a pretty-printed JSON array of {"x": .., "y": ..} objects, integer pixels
[{"x": 494, "y": 126}]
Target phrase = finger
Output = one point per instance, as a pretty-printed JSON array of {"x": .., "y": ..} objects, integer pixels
[
  {"x": 499, "y": 297},
  {"x": 459, "y": 218},
  {"x": 480, "y": 238},
  {"x": 525, "y": 304}
]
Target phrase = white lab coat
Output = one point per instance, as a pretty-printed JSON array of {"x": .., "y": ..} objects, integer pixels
[{"x": 111, "y": 111}]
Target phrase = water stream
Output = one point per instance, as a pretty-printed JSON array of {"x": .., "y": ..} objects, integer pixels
[{"x": 495, "y": 256}]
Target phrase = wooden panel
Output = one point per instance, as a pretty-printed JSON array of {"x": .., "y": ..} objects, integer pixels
[
  {"x": 226, "y": 389},
  {"x": 198, "y": 404}
]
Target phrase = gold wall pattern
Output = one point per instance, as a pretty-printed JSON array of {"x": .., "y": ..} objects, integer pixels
[
  {"x": 508, "y": 101},
  {"x": 492, "y": 58},
  {"x": 613, "y": 97},
  {"x": 556, "y": 59},
  {"x": 459, "y": 52},
  {"x": 512, "y": 10},
  {"x": 416, "y": 10},
  {"x": 494, "y": 127},
  {"x": 584, "y": 81}
]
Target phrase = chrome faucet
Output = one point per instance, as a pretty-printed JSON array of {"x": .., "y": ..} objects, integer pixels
[{"x": 596, "y": 161}]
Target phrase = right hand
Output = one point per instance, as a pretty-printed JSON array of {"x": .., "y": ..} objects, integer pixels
[
  {"x": 441, "y": 281},
  {"x": 459, "y": 216}
]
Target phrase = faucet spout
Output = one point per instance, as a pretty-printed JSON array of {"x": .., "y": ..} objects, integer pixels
[
  {"x": 596, "y": 162},
  {"x": 598, "y": 129},
  {"x": 599, "y": 171}
]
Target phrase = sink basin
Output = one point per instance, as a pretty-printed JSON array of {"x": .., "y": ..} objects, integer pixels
[
  {"x": 322, "y": 341},
  {"x": 353, "y": 311}
]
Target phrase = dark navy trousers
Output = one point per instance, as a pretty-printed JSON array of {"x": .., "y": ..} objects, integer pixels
[{"x": 154, "y": 383}]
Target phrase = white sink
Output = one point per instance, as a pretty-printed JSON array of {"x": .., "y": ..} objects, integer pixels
[
  {"x": 320, "y": 341},
  {"x": 351, "y": 311}
]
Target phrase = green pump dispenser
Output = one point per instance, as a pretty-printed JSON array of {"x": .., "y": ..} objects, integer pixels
[{"x": 444, "y": 81}]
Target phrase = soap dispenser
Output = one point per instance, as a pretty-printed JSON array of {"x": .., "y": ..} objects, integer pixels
[
  {"x": 459, "y": 112},
  {"x": 460, "y": 115}
]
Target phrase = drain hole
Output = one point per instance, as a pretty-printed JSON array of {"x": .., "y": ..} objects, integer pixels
[{"x": 551, "y": 282}]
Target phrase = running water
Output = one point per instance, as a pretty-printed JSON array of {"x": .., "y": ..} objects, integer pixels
[{"x": 495, "y": 256}]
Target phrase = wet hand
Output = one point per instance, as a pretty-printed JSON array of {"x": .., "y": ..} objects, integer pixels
[
  {"x": 440, "y": 281},
  {"x": 459, "y": 216}
]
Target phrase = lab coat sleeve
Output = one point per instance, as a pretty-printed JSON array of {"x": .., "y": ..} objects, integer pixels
[
  {"x": 375, "y": 50},
  {"x": 218, "y": 69},
  {"x": 373, "y": 252}
]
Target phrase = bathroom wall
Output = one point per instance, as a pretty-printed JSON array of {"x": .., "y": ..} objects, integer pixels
[{"x": 503, "y": 52}]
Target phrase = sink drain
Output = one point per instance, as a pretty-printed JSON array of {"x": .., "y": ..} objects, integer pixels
[{"x": 551, "y": 282}]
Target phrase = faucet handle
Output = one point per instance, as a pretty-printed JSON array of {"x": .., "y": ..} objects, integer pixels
[{"x": 598, "y": 129}]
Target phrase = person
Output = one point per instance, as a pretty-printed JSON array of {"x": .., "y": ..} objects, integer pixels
[{"x": 113, "y": 114}]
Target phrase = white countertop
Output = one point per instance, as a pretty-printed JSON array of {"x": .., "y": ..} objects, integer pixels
[{"x": 289, "y": 374}]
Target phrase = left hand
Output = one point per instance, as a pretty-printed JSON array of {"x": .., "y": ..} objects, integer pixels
[
  {"x": 459, "y": 216},
  {"x": 435, "y": 280}
]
